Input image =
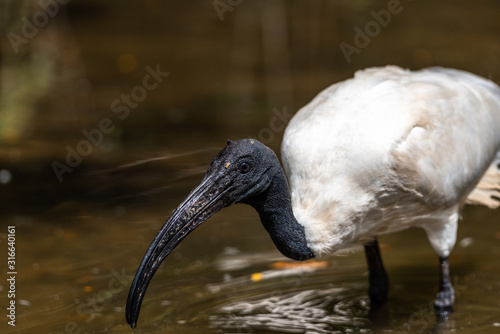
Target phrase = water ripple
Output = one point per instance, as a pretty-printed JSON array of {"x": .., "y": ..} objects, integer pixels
[{"x": 329, "y": 310}]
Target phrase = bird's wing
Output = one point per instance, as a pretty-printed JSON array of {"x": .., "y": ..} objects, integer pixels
[
  {"x": 432, "y": 132},
  {"x": 455, "y": 136}
]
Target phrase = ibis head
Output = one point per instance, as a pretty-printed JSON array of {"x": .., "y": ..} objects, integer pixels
[{"x": 245, "y": 171}]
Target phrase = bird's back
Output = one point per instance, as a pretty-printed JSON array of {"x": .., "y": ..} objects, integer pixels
[{"x": 388, "y": 146}]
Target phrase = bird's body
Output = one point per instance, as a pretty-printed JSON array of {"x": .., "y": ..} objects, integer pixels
[
  {"x": 384, "y": 151},
  {"x": 390, "y": 149}
]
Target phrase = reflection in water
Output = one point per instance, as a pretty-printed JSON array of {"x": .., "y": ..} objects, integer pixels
[{"x": 315, "y": 310}]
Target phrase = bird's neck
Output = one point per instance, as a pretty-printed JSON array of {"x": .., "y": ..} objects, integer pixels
[{"x": 275, "y": 210}]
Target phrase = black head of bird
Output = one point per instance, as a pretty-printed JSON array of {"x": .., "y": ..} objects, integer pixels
[{"x": 245, "y": 171}]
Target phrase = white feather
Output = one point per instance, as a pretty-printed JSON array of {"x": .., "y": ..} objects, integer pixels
[{"x": 390, "y": 149}]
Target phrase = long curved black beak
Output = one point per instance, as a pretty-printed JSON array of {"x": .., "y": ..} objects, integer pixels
[
  {"x": 205, "y": 200},
  {"x": 245, "y": 171}
]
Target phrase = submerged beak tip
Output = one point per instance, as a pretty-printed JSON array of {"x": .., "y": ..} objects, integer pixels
[
  {"x": 131, "y": 312},
  {"x": 132, "y": 321}
]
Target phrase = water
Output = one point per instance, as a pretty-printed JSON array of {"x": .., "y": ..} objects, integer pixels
[
  {"x": 81, "y": 236},
  {"x": 74, "y": 275}
]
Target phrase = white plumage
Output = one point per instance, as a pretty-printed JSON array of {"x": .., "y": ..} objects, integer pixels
[{"x": 390, "y": 149}]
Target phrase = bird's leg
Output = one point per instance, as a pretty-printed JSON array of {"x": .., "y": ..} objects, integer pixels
[
  {"x": 378, "y": 280},
  {"x": 443, "y": 306}
]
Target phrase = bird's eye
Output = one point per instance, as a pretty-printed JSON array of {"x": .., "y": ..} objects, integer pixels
[{"x": 244, "y": 167}]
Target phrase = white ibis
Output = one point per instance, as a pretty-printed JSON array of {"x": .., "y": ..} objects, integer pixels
[{"x": 384, "y": 151}]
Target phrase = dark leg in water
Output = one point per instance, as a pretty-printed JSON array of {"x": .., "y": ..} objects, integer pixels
[
  {"x": 378, "y": 280},
  {"x": 443, "y": 306}
]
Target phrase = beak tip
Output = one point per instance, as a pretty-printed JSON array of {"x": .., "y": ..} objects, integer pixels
[
  {"x": 132, "y": 322},
  {"x": 131, "y": 318}
]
